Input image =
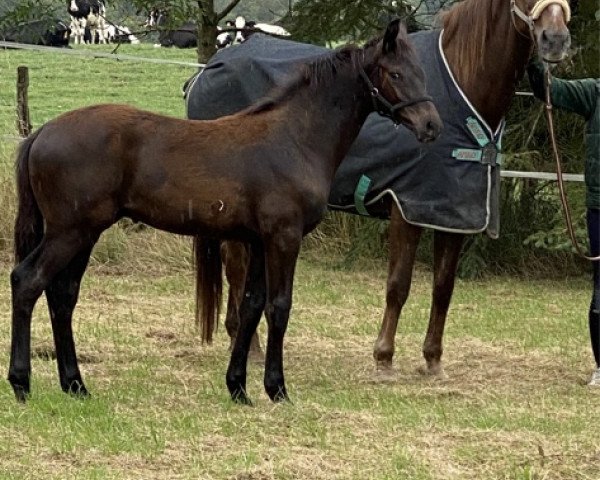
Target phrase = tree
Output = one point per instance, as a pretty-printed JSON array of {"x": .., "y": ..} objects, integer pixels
[
  {"x": 204, "y": 14},
  {"x": 329, "y": 21}
]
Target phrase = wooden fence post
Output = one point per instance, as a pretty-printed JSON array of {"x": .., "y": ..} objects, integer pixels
[{"x": 23, "y": 123}]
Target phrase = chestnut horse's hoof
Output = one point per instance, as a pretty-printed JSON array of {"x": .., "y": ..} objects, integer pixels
[
  {"x": 436, "y": 371},
  {"x": 385, "y": 374},
  {"x": 384, "y": 365}
]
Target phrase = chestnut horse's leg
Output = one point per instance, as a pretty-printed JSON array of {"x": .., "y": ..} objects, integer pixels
[
  {"x": 403, "y": 239},
  {"x": 446, "y": 251},
  {"x": 62, "y": 294},
  {"x": 235, "y": 258},
  {"x": 28, "y": 281},
  {"x": 281, "y": 256},
  {"x": 251, "y": 308}
]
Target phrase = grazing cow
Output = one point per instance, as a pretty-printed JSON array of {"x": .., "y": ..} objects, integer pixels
[
  {"x": 120, "y": 34},
  {"x": 245, "y": 28},
  {"x": 87, "y": 13},
  {"x": 185, "y": 36},
  {"x": 224, "y": 39},
  {"x": 51, "y": 33}
]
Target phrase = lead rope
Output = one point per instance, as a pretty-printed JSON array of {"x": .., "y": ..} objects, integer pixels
[{"x": 563, "y": 196}]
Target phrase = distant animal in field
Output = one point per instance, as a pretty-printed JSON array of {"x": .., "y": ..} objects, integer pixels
[
  {"x": 184, "y": 36},
  {"x": 90, "y": 14},
  {"x": 225, "y": 38},
  {"x": 245, "y": 28},
  {"x": 50, "y": 33},
  {"x": 120, "y": 34},
  {"x": 261, "y": 176}
]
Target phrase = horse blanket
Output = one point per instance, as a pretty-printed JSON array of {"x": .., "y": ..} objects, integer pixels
[{"x": 451, "y": 184}]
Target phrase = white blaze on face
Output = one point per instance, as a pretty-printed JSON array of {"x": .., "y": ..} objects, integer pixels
[{"x": 73, "y": 6}]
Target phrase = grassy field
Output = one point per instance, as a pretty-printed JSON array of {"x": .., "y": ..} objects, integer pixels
[
  {"x": 59, "y": 83},
  {"x": 515, "y": 405}
]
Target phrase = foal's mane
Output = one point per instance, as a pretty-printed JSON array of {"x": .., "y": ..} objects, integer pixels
[
  {"x": 346, "y": 59},
  {"x": 470, "y": 24},
  {"x": 312, "y": 74}
]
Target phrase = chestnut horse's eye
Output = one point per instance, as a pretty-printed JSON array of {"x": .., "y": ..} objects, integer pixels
[{"x": 394, "y": 75}]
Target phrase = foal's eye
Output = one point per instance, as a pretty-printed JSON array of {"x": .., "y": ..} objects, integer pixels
[{"x": 395, "y": 75}]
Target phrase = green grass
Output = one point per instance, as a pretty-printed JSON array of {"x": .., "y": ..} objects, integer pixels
[
  {"x": 515, "y": 405},
  {"x": 517, "y": 365},
  {"x": 59, "y": 83}
]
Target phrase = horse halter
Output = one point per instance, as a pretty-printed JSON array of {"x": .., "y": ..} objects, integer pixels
[
  {"x": 537, "y": 10},
  {"x": 385, "y": 108}
]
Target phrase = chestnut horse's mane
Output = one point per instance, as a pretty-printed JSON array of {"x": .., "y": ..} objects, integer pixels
[{"x": 469, "y": 23}]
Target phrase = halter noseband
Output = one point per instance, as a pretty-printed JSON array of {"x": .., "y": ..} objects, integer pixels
[
  {"x": 537, "y": 10},
  {"x": 385, "y": 108}
]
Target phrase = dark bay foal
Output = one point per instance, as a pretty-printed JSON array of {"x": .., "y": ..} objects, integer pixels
[{"x": 261, "y": 176}]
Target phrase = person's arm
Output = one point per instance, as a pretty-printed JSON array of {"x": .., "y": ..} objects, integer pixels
[{"x": 578, "y": 96}]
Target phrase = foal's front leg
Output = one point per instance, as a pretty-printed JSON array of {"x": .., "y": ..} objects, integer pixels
[{"x": 281, "y": 256}]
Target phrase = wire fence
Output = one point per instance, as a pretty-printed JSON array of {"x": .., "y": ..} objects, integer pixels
[
  {"x": 94, "y": 54},
  {"x": 547, "y": 176}
]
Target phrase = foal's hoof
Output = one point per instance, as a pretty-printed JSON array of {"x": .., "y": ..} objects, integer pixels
[
  {"x": 77, "y": 389},
  {"x": 20, "y": 385},
  {"x": 237, "y": 389},
  {"x": 21, "y": 393},
  {"x": 241, "y": 398},
  {"x": 277, "y": 393}
]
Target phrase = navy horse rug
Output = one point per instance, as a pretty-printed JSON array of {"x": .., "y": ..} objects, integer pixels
[{"x": 451, "y": 184}]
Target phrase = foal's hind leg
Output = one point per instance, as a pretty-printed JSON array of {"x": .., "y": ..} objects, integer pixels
[
  {"x": 403, "y": 239},
  {"x": 447, "y": 248},
  {"x": 28, "y": 280},
  {"x": 251, "y": 309},
  {"x": 235, "y": 256},
  {"x": 62, "y": 294}
]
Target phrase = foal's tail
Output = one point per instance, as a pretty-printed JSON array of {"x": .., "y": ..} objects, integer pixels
[
  {"x": 209, "y": 284},
  {"x": 29, "y": 224}
]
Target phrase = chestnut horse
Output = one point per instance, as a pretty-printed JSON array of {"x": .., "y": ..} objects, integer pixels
[
  {"x": 487, "y": 44},
  {"x": 261, "y": 176}
]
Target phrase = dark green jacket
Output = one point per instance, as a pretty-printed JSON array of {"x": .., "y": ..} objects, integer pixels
[{"x": 581, "y": 97}]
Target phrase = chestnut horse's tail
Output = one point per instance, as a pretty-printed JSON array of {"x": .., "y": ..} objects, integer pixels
[
  {"x": 29, "y": 224},
  {"x": 209, "y": 284}
]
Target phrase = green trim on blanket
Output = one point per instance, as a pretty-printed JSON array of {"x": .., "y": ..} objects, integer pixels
[
  {"x": 488, "y": 154},
  {"x": 360, "y": 193},
  {"x": 477, "y": 131}
]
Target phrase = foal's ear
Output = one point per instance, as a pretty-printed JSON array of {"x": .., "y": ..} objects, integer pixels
[{"x": 389, "y": 37}]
